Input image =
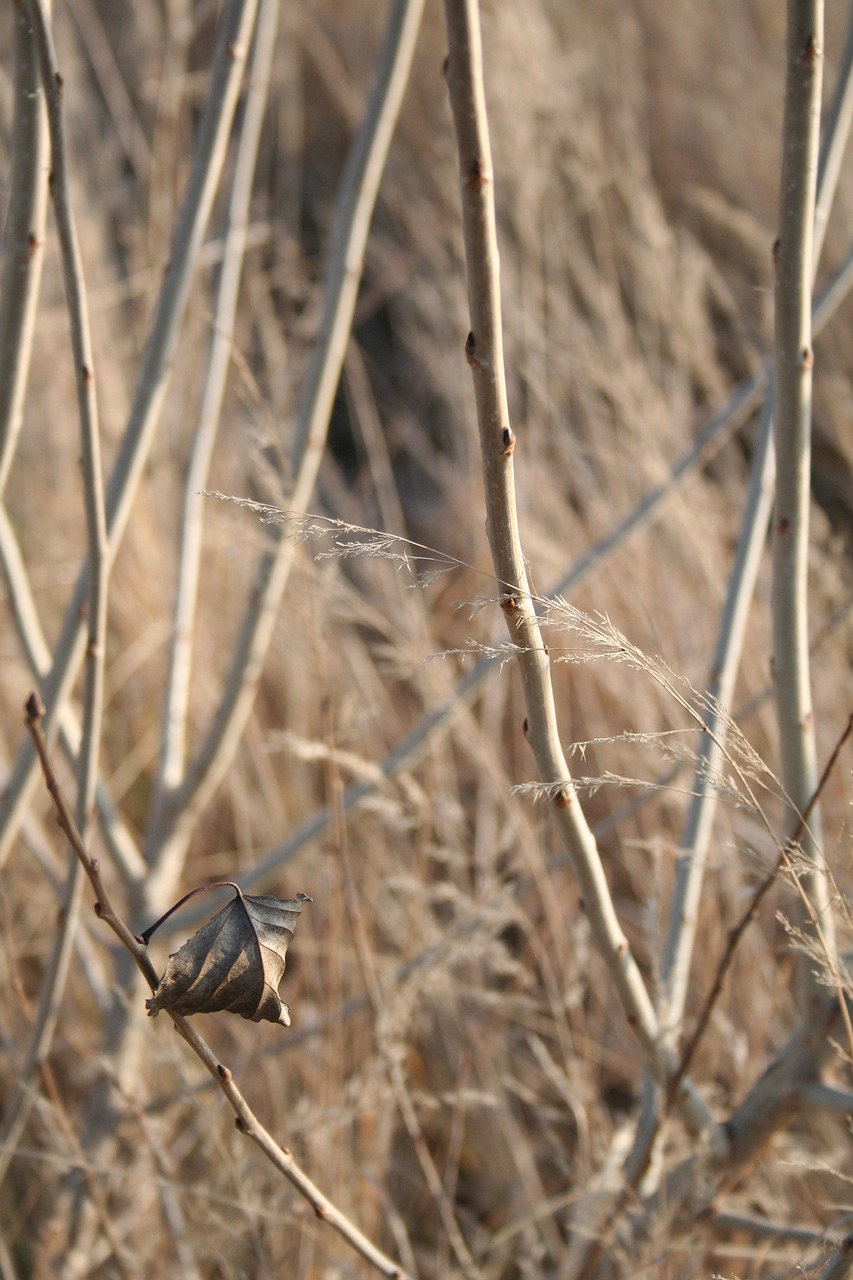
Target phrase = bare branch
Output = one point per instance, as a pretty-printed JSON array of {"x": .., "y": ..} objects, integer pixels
[
  {"x": 484, "y": 350},
  {"x": 53, "y": 986},
  {"x": 24, "y": 235},
  {"x": 681, "y": 931},
  {"x": 246, "y": 1121},
  {"x": 219, "y": 359},
  {"x": 359, "y": 189},
  {"x": 235, "y": 29},
  {"x": 793, "y": 255}
]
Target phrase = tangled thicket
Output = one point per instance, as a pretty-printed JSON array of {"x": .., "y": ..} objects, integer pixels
[{"x": 636, "y": 154}]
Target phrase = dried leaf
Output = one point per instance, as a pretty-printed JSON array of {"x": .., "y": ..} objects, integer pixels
[{"x": 235, "y": 962}]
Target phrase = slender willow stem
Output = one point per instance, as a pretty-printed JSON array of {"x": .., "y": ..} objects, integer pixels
[{"x": 793, "y": 254}]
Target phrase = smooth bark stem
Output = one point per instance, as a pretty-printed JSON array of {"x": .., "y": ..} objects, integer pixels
[
  {"x": 24, "y": 235},
  {"x": 793, "y": 253},
  {"x": 53, "y": 986},
  {"x": 484, "y": 350},
  {"x": 683, "y": 922}
]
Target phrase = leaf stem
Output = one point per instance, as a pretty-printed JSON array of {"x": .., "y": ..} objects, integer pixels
[{"x": 148, "y": 934}]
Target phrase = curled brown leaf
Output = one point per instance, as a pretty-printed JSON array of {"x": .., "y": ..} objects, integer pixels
[{"x": 234, "y": 962}]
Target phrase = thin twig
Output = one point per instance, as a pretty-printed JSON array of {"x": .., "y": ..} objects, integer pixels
[
  {"x": 246, "y": 1121},
  {"x": 750, "y": 913},
  {"x": 84, "y": 368}
]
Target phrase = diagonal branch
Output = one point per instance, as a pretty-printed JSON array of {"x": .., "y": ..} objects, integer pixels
[{"x": 245, "y": 1119}]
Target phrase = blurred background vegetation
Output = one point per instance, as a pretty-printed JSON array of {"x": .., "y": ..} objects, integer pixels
[{"x": 636, "y": 152}]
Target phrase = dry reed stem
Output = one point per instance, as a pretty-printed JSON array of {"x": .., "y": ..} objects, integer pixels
[{"x": 245, "y": 1119}]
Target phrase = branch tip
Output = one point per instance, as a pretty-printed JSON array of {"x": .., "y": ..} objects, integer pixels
[{"x": 34, "y": 708}]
